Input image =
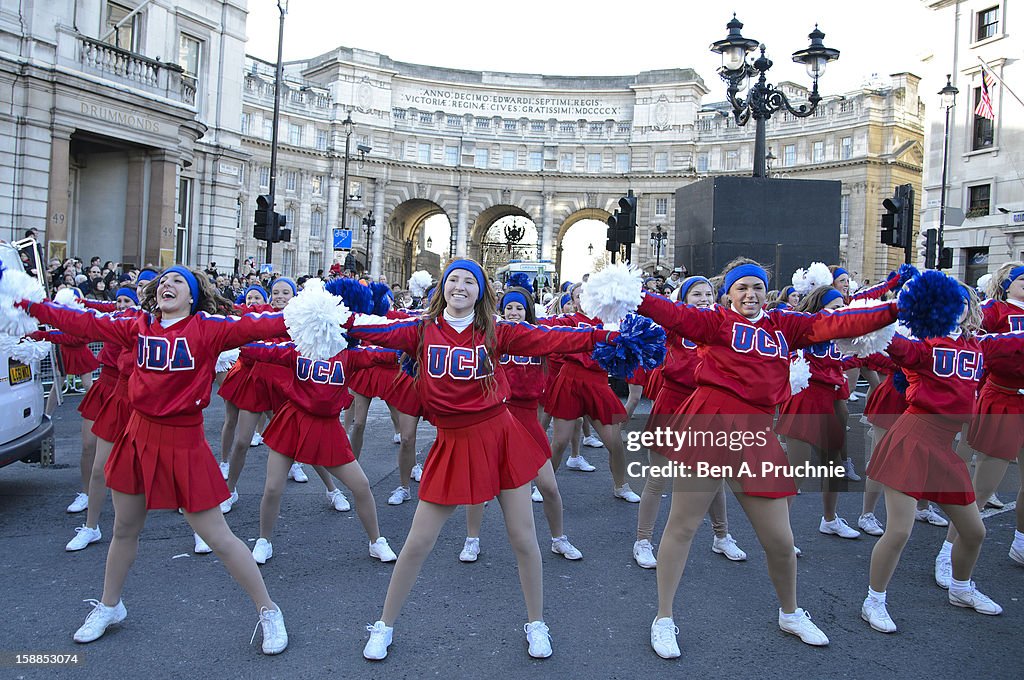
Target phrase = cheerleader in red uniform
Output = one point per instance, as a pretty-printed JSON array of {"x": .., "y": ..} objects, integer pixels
[
  {"x": 162, "y": 460},
  {"x": 481, "y": 450},
  {"x": 525, "y": 378},
  {"x": 744, "y": 375},
  {"x": 915, "y": 459},
  {"x": 677, "y": 384},
  {"x": 563, "y": 304},
  {"x": 307, "y": 429},
  {"x": 77, "y": 360}
]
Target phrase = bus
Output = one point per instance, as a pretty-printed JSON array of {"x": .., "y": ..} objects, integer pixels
[{"x": 541, "y": 272}]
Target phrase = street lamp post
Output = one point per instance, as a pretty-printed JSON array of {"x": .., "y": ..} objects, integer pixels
[
  {"x": 658, "y": 237},
  {"x": 369, "y": 224},
  {"x": 765, "y": 99},
  {"x": 282, "y": 7},
  {"x": 347, "y": 124},
  {"x": 947, "y": 96}
]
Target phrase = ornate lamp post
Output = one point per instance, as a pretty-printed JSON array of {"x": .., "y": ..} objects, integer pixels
[
  {"x": 658, "y": 237},
  {"x": 947, "y": 97},
  {"x": 347, "y": 124},
  {"x": 369, "y": 224},
  {"x": 765, "y": 99}
]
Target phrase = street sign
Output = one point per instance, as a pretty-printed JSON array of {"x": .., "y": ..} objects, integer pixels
[
  {"x": 954, "y": 217},
  {"x": 343, "y": 239},
  {"x": 1018, "y": 218},
  {"x": 267, "y": 268}
]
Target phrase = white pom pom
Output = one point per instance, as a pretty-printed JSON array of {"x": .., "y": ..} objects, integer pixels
[
  {"x": 612, "y": 293},
  {"x": 799, "y": 374},
  {"x": 67, "y": 298},
  {"x": 872, "y": 343},
  {"x": 419, "y": 282},
  {"x": 26, "y": 351},
  {"x": 854, "y": 286},
  {"x": 226, "y": 360},
  {"x": 314, "y": 319},
  {"x": 16, "y": 286},
  {"x": 818, "y": 274},
  {"x": 982, "y": 284}
]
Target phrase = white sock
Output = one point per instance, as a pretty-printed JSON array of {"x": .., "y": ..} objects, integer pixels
[
  {"x": 1018, "y": 540},
  {"x": 876, "y": 597},
  {"x": 794, "y": 616},
  {"x": 959, "y": 585},
  {"x": 946, "y": 550}
]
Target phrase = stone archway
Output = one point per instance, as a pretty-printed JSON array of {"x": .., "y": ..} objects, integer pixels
[
  {"x": 596, "y": 237},
  {"x": 405, "y": 240},
  {"x": 488, "y": 241}
]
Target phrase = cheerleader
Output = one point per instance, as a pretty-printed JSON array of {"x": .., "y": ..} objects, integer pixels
[
  {"x": 915, "y": 460},
  {"x": 77, "y": 360},
  {"x": 525, "y": 379},
  {"x": 481, "y": 450},
  {"x": 678, "y": 382},
  {"x": 563, "y": 305},
  {"x": 162, "y": 460},
  {"x": 307, "y": 429},
  {"x": 739, "y": 343}
]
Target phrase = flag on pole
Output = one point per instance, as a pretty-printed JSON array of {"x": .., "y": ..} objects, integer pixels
[{"x": 984, "y": 107}]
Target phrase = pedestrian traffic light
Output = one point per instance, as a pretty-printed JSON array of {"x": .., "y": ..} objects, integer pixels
[
  {"x": 612, "y": 244},
  {"x": 898, "y": 221},
  {"x": 261, "y": 228},
  {"x": 280, "y": 231},
  {"x": 626, "y": 227}
]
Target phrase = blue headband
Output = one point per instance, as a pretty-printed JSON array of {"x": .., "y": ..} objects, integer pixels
[
  {"x": 787, "y": 291},
  {"x": 737, "y": 273},
  {"x": 285, "y": 279},
  {"x": 685, "y": 286},
  {"x": 839, "y": 272},
  {"x": 144, "y": 276},
  {"x": 566, "y": 299},
  {"x": 965, "y": 292},
  {"x": 831, "y": 295},
  {"x": 430, "y": 293},
  {"x": 128, "y": 293},
  {"x": 1015, "y": 274},
  {"x": 193, "y": 285},
  {"x": 258, "y": 289},
  {"x": 471, "y": 267},
  {"x": 514, "y": 296},
  {"x": 567, "y": 285}
]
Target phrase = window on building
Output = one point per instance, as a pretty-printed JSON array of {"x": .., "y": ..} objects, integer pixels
[
  {"x": 480, "y": 159},
  {"x": 451, "y": 156},
  {"x": 294, "y": 134},
  {"x": 261, "y": 253},
  {"x": 593, "y": 162},
  {"x": 660, "y": 207},
  {"x": 846, "y": 148},
  {"x": 977, "y": 265},
  {"x": 183, "y": 221},
  {"x": 291, "y": 180},
  {"x": 979, "y": 200},
  {"x": 188, "y": 55},
  {"x": 264, "y": 175},
  {"x": 661, "y": 161},
  {"x": 124, "y": 36},
  {"x": 844, "y": 214},
  {"x": 316, "y": 259},
  {"x": 246, "y": 123},
  {"x": 984, "y": 128},
  {"x": 789, "y": 155},
  {"x": 317, "y": 183},
  {"x": 355, "y": 190},
  {"x": 288, "y": 260},
  {"x": 289, "y": 216},
  {"x": 508, "y": 160},
  {"x": 732, "y": 160},
  {"x": 538, "y": 126},
  {"x": 511, "y": 125},
  {"x": 566, "y": 162},
  {"x": 321, "y": 140},
  {"x": 423, "y": 153},
  {"x": 818, "y": 152},
  {"x": 399, "y": 146},
  {"x": 535, "y": 161},
  {"x": 316, "y": 225},
  {"x": 268, "y": 129},
  {"x": 845, "y": 106},
  {"x": 702, "y": 162},
  {"x": 988, "y": 23}
]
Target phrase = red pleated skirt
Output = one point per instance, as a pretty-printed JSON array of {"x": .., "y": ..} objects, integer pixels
[
  {"x": 655, "y": 379},
  {"x": 401, "y": 394},
  {"x": 171, "y": 464},
  {"x": 371, "y": 382},
  {"x": 244, "y": 389},
  {"x": 78, "y": 359},
  {"x": 730, "y": 434},
  {"x": 113, "y": 417},
  {"x": 96, "y": 398},
  {"x": 578, "y": 392},
  {"x": 916, "y": 457},
  {"x": 473, "y": 463},
  {"x": 526, "y": 413},
  {"x": 639, "y": 377},
  {"x": 307, "y": 438},
  {"x": 997, "y": 428},
  {"x": 669, "y": 398},
  {"x": 885, "y": 405},
  {"x": 810, "y": 416}
]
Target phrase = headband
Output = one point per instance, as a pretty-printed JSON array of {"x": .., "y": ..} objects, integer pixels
[
  {"x": 965, "y": 292},
  {"x": 471, "y": 267},
  {"x": 430, "y": 293},
  {"x": 513, "y": 296},
  {"x": 567, "y": 285},
  {"x": 830, "y": 295},
  {"x": 787, "y": 291},
  {"x": 193, "y": 285},
  {"x": 565, "y": 299},
  {"x": 128, "y": 293},
  {"x": 839, "y": 272},
  {"x": 146, "y": 275},
  {"x": 258, "y": 289},
  {"x": 685, "y": 286},
  {"x": 1015, "y": 274},
  {"x": 737, "y": 273},
  {"x": 285, "y": 279}
]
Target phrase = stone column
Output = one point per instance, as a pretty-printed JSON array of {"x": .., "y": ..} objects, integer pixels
[
  {"x": 163, "y": 180},
  {"x": 463, "y": 222},
  {"x": 58, "y": 201},
  {"x": 377, "y": 252},
  {"x": 548, "y": 227},
  {"x": 134, "y": 209}
]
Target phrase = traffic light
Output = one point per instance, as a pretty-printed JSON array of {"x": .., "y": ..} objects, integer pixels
[
  {"x": 626, "y": 227},
  {"x": 261, "y": 229},
  {"x": 931, "y": 241},
  {"x": 280, "y": 231},
  {"x": 612, "y": 244},
  {"x": 898, "y": 221}
]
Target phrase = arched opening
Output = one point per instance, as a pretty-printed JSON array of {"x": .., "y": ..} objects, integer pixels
[
  {"x": 509, "y": 238},
  {"x": 581, "y": 249},
  {"x": 419, "y": 233}
]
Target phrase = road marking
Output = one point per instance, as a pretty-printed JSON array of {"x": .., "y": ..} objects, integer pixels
[{"x": 992, "y": 512}]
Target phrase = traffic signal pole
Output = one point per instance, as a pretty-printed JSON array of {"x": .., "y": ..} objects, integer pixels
[{"x": 277, "y": 114}]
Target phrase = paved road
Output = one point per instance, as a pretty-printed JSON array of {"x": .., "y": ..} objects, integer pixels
[{"x": 187, "y": 618}]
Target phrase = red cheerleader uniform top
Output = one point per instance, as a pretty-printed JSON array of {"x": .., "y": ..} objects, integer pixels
[
  {"x": 318, "y": 386},
  {"x": 576, "y": 320},
  {"x": 942, "y": 374},
  {"x": 749, "y": 358},
  {"x": 1002, "y": 316},
  {"x": 826, "y": 364},
  {"x": 174, "y": 366},
  {"x": 681, "y": 362},
  {"x": 525, "y": 378},
  {"x": 878, "y": 290}
]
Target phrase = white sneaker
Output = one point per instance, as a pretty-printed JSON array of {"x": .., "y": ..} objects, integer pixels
[
  {"x": 337, "y": 499},
  {"x": 397, "y": 439},
  {"x": 663, "y": 638},
  {"x": 875, "y": 613},
  {"x": 727, "y": 546},
  {"x": 870, "y": 524},
  {"x": 848, "y": 470},
  {"x": 200, "y": 547},
  {"x": 943, "y": 570},
  {"x": 275, "y": 636},
  {"x": 382, "y": 551},
  {"x": 536, "y": 496},
  {"x": 99, "y": 619},
  {"x": 226, "y": 506},
  {"x": 417, "y": 472},
  {"x": 592, "y": 441},
  {"x": 399, "y": 496},
  {"x": 579, "y": 463},
  {"x": 800, "y": 624},
  {"x": 256, "y": 440},
  {"x": 297, "y": 474},
  {"x": 853, "y": 397},
  {"x": 539, "y": 638},
  {"x": 626, "y": 494},
  {"x": 1016, "y": 554},
  {"x": 380, "y": 639},
  {"x": 470, "y": 551},
  {"x": 974, "y": 599},
  {"x": 798, "y": 552},
  {"x": 262, "y": 551},
  {"x": 83, "y": 537},
  {"x": 931, "y": 516},
  {"x": 994, "y": 502},
  {"x": 80, "y": 503},
  {"x": 225, "y": 468},
  {"x": 838, "y": 527},
  {"x": 643, "y": 553},
  {"x": 562, "y": 546}
]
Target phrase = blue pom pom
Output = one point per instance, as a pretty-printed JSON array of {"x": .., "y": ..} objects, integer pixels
[
  {"x": 520, "y": 280},
  {"x": 240, "y": 300},
  {"x": 382, "y": 298},
  {"x": 357, "y": 297},
  {"x": 907, "y": 272},
  {"x": 899, "y": 381},
  {"x": 409, "y": 365},
  {"x": 640, "y": 344},
  {"x": 930, "y": 305}
]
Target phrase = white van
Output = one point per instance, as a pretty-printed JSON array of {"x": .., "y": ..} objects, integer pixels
[{"x": 26, "y": 434}]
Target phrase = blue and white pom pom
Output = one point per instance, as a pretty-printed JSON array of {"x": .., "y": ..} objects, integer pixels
[
  {"x": 419, "y": 282},
  {"x": 799, "y": 374},
  {"x": 15, "y": 286},
  {"x": 930, "y": 304},
  {"x": 26, "y": 351},
  {"x": 640, "y": 344},
  {"x": 314, "y": 319},
  {"x": 872, "y": 343},
  {"x": 612, "y": 293}
]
